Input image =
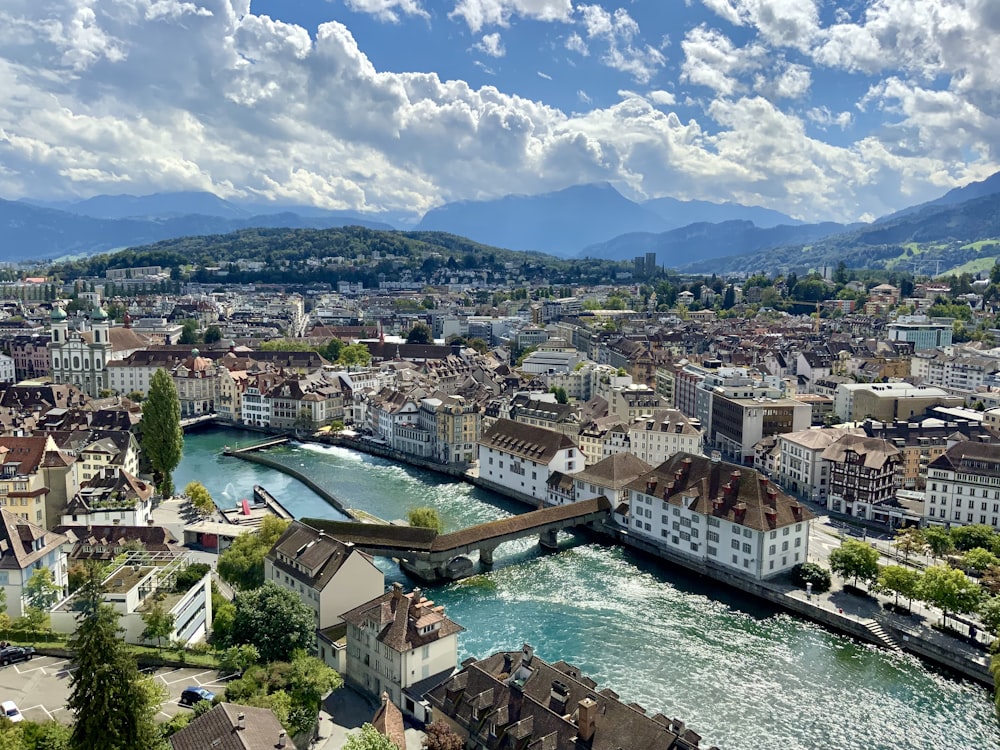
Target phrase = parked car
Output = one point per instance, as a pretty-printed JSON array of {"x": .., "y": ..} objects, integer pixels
[
  {"x": 194, "y": 694},
  {"x": 11, "y": 711},
  {"x": 11, "y": 654}
]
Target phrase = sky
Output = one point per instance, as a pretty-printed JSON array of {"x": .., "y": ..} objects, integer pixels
[{"x": 838, "y": 110}]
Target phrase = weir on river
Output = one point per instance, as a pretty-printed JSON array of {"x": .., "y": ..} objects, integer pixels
[{"x": 745, "y": 675}]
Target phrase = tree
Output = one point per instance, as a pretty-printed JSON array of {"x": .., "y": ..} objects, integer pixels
[
  {"x": 190, "y": 576},
  {"x": 333, "y": 349},
  {"x": 970, "y": 537},
  {"x": 420, "y": 334},
  {"x": 200, "y": 498},
  {"x": 159, "y": 623},
  {"x": 813, "y": 573},
  {"x": 439, "y": 736},
  {"x": 910, "y": 541},
  {"x": 425, "y": 518},
  {"x": 938, "y": 540},
  {"x": 989, "y": 614},
  {"x": 189, "y": 332},
  {"x": 854, "y": 559},
  {"x": 979, "y": 559},
  {"x": 369, "y": 738},
  {"x": 310, "y": 679},
  {"x": 560, "y": 393},
  {"x": 162, "y": 437},
  {"x": 222, "y": 625},
  {"x": 898, "y": 580},
  {"x": 949, "y": 589},
  {"x": 355, "y": 355},
  {"x": 41, "y": 592},
  {"x": 990, "y": 579},
  {"x": 242, "y": 564},
  {"x": 213, "y": 334},
  {"x": 304, "y": 421},
  {"x": 114, "y": 707},
  {"x": 273, "y": 619},
  {"x": 239, "y": 658}
]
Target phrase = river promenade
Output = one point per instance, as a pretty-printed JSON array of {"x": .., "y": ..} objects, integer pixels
[{"x": 862, "y": 616}]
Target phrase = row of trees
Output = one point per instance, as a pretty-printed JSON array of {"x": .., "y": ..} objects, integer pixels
[{"x": 941, "y": 586}]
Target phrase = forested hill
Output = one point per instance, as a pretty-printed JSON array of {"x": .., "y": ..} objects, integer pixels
[
  {"x": 936, "y": 238},
  {"x": 329, "y": 255}
]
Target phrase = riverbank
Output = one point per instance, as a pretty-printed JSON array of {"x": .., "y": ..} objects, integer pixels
[{"x": 860, "y": 617}]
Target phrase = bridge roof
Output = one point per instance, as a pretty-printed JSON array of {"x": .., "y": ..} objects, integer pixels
[{"x": 428, "y": 540}]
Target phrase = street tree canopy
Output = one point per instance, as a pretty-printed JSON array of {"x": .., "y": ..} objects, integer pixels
[
  {"x": 420, "y": 334},
  {"x": 854, "y": 559},
  {"x": 200, "y": 498},
  {"x": 899, "y": 580},
  {"x": 425, "y": 518},
  {"x": 949, "y": 589}
]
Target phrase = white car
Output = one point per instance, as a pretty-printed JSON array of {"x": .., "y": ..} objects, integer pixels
[{"x": 11, "y": 711}]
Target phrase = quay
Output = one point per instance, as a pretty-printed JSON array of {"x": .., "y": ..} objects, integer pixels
[{"x": 862, "y": 620}]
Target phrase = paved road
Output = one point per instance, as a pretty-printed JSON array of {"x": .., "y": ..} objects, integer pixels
[{"x": 40, "y": 687}]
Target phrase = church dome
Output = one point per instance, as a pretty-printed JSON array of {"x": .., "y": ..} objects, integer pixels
[
  {"x": 98, "y": 314},
  {"x": 58, "y": 314}
]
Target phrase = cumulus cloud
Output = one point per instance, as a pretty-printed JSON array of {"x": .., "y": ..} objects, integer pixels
[
  {"x": 824, "y": 118},
  {"x": 491, "y": 45},
  {"x": 618, "y": 31},
  {"x": 575, "y": 43},
  {"x": 205, "y": 95},
  {"x": 480, "y": 13},
  {"x": 388, "y": 10}
]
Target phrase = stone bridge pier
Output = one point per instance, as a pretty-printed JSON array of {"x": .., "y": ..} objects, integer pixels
[
  {"x": 486, "y": 555},
  {"x": 548, "y": 539}
]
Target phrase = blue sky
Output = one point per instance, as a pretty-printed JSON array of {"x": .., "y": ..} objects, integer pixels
[{"x": 823, "y": 109}]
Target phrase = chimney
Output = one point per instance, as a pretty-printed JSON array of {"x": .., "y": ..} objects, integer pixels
[
  {"x": 740, "y": 511},
  {"x": 650, "y": 487},
  {"x": 763, "y": 481},
  {"x": 716, "y": 457},
  {"x": 772, "y": 495},
  {"x": 282, "y": 739},
  {"x": 585, "y": 718},
  {"x": 415, "y": 596},
  {"x": 241, "y": 721},
  {"x": 797, "y": 511},
  {"x": 397, "y": 591},
  {"x": 527, "y": 654},
  {"x": 686, "y": 466}
]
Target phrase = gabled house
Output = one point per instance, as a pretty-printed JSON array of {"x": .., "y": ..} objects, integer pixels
[
  {"x": 521, "y": 458},
  {"x": 24, "y": 548},
  {"x": 230, "y": 726},
  {"x": 403, "y": 645}
]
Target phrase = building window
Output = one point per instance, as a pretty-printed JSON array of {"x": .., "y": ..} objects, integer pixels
[{"x": 747, "y": 549}]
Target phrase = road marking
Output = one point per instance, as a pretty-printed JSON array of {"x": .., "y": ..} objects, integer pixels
[
  {"x": 47, "y": 712},
  {"x": 67, "y": 670}
]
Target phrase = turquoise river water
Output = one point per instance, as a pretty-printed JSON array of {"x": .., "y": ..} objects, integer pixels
[{"x": 740, "y": 673}]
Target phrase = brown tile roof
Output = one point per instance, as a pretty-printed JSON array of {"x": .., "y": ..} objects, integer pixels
[
  {"x": 218, "y": 730},
  {"x": 970, "y": 457},
  {"x": 317, "y": 557},
  {"x": 723, "y": 490},
  {"x": 875, "y": 451},
  {"x": 18, "y": 541},
  {"x": 388, "y": 720},
  {"x": 615, "y": 471},
  {"x": 401, "y": 618},
  {"x": 527, "y": 702},
  {"x": 526, "y": 441}
]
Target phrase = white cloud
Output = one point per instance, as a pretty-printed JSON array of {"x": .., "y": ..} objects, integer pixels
[
  {"x": 575, "y": 43},
  {"x": 583, "y": 97},
  {"x": 662, "y": 98},
  {"x": 546, "y": 76},
  {"x": 480, "y": 13},
  {"x": 789, "y": 81},
  {"x": 491, "y": 45},
  {"x": 824, "y": 118},
  {"x": 619, "y": 31},
  {"x": 782, "y": 23},
  {"x": 216, "y": 98},
  {"x": 388, "y": 10}
]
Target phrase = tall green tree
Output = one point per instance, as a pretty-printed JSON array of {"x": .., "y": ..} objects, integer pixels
[
  {"x": 420, "y": 334},
  {"x": 950, "y": 590},
  {"x": 854, "y": 559},
  {"x": 213, "y": 334},
  {"x": 114, "y": 708},
  {"x": 159, "y": 623},
  {"x": 898, "y": 580},
  {"x": 939, "y": 541},
  {"x": 200, "y": 497},
  {"x": 189, "y": 332},
  {"x": 910, "y": 541},
  {"x": 274, "y": 620},
  {"x": 355, "y": 355},
  {"x": 425, "y": 518},
  {"x": 162, "y": 437},
  {"x": 41, "y": 592},
  {"x": 242, "y": 564}
]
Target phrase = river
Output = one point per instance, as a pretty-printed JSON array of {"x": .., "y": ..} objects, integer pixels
[{"x": 742, "y": 674}]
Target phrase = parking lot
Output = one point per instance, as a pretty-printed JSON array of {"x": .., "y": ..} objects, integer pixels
[{"x": 40, "y": 687}]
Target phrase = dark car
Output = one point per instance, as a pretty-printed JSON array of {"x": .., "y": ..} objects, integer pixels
[
  {"x": 192, "y": 695},
  {"x": 11, "y": 654}
]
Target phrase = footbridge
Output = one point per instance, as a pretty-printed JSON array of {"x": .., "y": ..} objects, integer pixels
[{"x": 431, "y": 556}]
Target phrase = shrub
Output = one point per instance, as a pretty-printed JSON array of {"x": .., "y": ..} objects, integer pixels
[
  {"x": 813, "y": 573},
  {"x": 190, "y": 576}
]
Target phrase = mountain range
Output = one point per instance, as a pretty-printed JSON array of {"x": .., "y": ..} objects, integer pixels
[{"x": 594, "y": 221}]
